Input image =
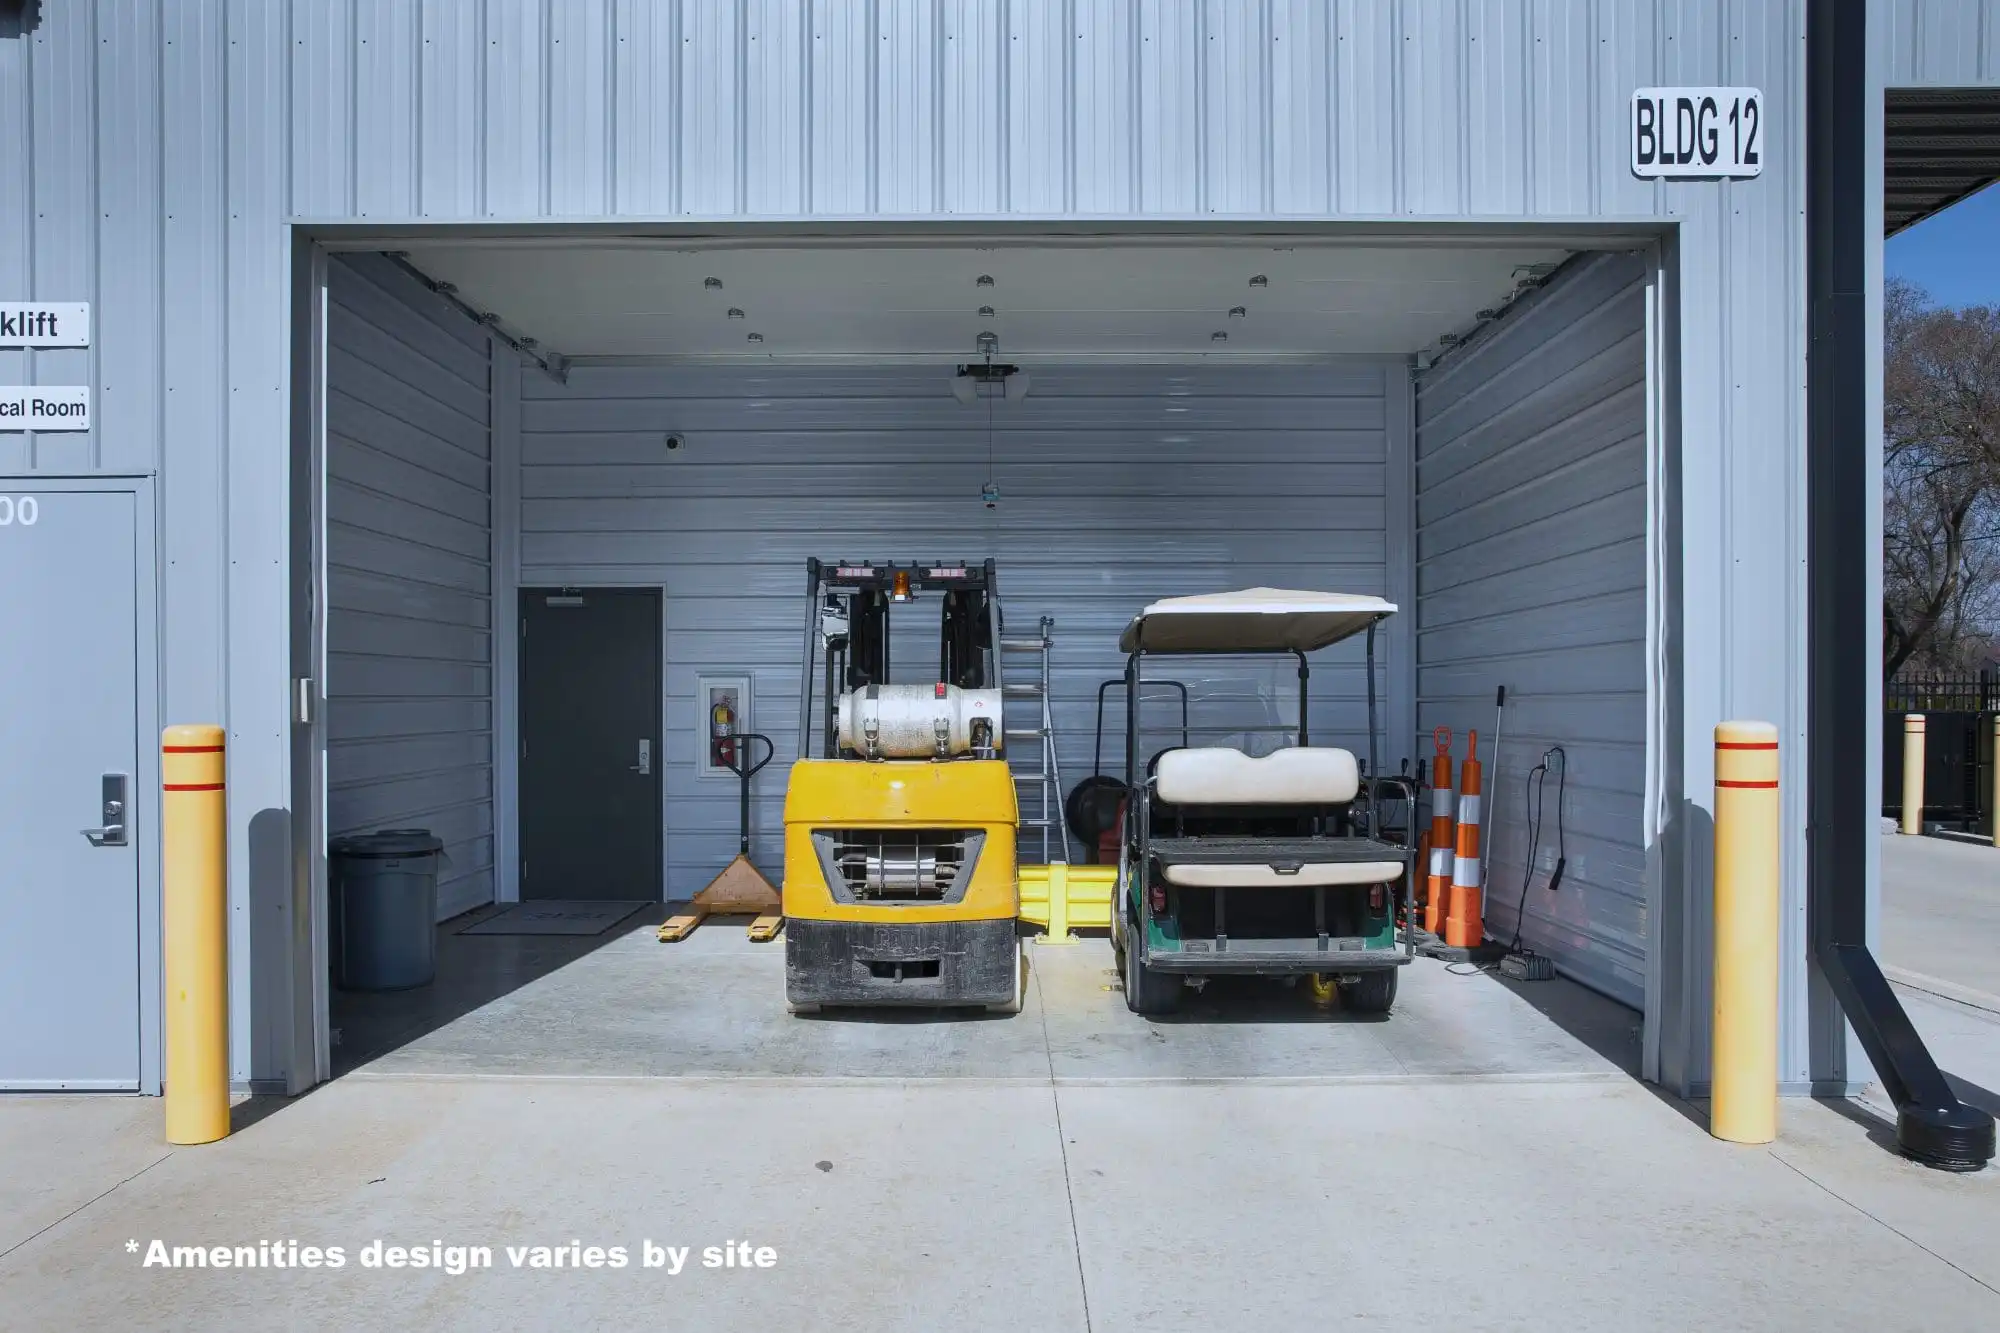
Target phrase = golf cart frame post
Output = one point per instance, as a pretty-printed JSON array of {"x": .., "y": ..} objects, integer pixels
[{"x": 1334, "y": 624}]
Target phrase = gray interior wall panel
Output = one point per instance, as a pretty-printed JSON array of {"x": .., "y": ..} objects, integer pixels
[
  {"x": 1118, "y": 485},
  {"x": 409, "y": 571},
  {"x": 1531, "y": 573}
]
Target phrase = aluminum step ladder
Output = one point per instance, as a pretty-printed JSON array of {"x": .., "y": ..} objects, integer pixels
[{"x": 1043, "y": 783}]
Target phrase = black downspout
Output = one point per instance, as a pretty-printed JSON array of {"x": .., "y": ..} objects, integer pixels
[{"x": 1932, "y": 1125}]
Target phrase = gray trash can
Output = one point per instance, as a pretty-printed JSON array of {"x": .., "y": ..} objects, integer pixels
[{"x": 383, "y": 905}]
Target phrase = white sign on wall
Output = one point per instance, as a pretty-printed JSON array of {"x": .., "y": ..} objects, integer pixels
[
  {"x": 1698, "y": 133},
  {"x": 44, "y": 324},
  {"x": 45, "y": 407}
]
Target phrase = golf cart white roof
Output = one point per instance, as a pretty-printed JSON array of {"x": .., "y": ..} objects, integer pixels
[{"x": 1254, "y": 620}]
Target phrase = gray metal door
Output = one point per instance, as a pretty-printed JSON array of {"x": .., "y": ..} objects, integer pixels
[
  {"x": 590, "y": 743},
  {"x": 69, "y": 950}
]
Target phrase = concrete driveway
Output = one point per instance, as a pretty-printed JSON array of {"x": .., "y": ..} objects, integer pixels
[
  {"x": 1941, "y": 948},
  {"x": 1479, "y": 1160}
]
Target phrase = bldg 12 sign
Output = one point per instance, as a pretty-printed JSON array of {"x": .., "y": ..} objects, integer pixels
[{"x": 1698, "y": 133}]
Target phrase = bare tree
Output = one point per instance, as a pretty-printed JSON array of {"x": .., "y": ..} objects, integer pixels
[{"x": 1941, "y": 480}]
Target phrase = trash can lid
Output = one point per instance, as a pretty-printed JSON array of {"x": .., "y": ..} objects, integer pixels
[{"x": 386, "y": 843}]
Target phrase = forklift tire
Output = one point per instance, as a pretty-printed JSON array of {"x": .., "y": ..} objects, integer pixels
[
  {"x": 795, "y": 1008},
  {"x": 1148, "y": 992},
  {"x": 1012, "y": 1006},
  {"x": 1374, "y": 993}
]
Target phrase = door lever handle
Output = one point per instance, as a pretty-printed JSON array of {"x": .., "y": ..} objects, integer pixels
[
  {"x": 112, "y": 832},
  {"x": 644, "y": 768}
]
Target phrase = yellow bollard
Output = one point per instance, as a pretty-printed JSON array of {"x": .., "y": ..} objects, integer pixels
[
  {"x": 1058, "y": 905},
  {"x": 1913, "y": 773},
  {"x": 1743, "y": 1106},
  {"x": 195, "y": 934}
]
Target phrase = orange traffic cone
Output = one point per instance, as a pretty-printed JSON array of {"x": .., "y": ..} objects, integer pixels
[
  {"x": 1439, "y": 883},
  {"x": 1463, "y": 928}
]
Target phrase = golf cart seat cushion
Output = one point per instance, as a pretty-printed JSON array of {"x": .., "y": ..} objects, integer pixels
[
  {"x": 1219, "y": 775},
  {"x": 1257, "y": 875}
]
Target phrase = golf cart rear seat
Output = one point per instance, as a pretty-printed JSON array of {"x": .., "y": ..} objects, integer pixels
[{"x": 1207, "y": 796}]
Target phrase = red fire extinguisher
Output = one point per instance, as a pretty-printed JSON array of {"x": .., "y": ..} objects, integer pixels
[{"x": 722, "y": 733}]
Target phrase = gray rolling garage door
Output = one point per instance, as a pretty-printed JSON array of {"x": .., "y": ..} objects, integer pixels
[
  {"x": 1531, "y": 467},
  {"x": 409, "y": 571},
  {"x": 1119, "y": 485}
]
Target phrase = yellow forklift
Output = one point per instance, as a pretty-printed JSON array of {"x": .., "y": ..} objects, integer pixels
[{"x": 900, "y": 816}]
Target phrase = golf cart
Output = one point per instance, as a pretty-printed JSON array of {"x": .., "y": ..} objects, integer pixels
[{"x": 1273, "y": 865}]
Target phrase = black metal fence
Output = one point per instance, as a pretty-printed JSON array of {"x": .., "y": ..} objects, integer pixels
[
  {"x": 1943, "y": 694},
  {"x": 1958, "y": 747}
]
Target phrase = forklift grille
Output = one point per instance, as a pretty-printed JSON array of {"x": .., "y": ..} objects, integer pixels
[{"x": 898, "y": 865}]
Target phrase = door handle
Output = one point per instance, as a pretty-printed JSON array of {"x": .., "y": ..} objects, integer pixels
[
  {"x": 644, "y": 767},
  {"x": 113, "y": 832}
]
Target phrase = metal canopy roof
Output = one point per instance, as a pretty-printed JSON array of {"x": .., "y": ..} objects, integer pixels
[
  {"x": 1940, "y": 145},
  {"x": 1255, "y": 620}
]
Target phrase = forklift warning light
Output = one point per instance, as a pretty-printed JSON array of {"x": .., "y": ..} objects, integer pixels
[
  {"x": 854, "y": 572},
  {"x": 946, "y": 572}
]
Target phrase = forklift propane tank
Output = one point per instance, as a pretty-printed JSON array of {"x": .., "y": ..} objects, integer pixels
[{"x": 918, "y": 721}]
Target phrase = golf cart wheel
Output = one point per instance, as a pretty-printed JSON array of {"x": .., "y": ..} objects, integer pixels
[
  {"x": 1148, "y": 991},
  {"x": 1374, "y": 993},
  {"x": 1012, "y": 1006}
]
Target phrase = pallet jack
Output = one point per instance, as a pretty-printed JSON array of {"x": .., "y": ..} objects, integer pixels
[{"x": 741, "y": 889}]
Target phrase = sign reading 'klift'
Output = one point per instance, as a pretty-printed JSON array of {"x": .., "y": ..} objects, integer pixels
[
  {"x": 44, "y": 324},
  {"x": 1698, "y": 133}
]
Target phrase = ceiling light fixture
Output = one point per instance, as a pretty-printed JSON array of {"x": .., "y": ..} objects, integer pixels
[
  {"x": 986, "y": 312},
  {"x": 1260, "y": 281},
  {"x": 735, "y": 312},
  {"x": 985, "y": 280},
  {"x": 713, "y": 284},
  {"x": 755, "y": 337},
  {"x": 1218, "y": 337},
  {"x": 1238, "y": 312}
]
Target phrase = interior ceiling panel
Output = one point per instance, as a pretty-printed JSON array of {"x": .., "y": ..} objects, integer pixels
[{"x": 1047, "y": 303}]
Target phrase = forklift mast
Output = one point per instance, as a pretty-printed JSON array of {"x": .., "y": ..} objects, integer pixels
[{"x": 847, "y": 614}]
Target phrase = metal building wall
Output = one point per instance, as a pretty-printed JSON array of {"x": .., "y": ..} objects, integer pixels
[
  {"x": 1119, "y": 485},
  {"x": 409, "y": 556},
  {"x": 1531, "y": 573},
  {"x": 159, "y": 152}
]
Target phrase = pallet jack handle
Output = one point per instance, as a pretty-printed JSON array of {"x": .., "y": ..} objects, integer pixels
[{"x": 739, "y": 764}]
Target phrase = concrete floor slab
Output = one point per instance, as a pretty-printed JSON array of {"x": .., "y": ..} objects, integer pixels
[
  {"x": 712, "y": 1006},
  {"x": 61, "y": 1152},
  {"x": 889, "y": 1206},
  {"x": 1469, "y": 1206},
  {"x": 968, "y": 1205}
]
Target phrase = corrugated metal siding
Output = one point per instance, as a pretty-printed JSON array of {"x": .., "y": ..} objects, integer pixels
[
  {"x": 1531, "y": 573},
  {"x": 1118, "y": 486},
  {"x": 409, "y": 571},
  {"x": 1943, "y": 43}
]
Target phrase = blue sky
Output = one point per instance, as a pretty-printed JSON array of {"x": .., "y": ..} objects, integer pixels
[{"x": 1955, "y": 256}]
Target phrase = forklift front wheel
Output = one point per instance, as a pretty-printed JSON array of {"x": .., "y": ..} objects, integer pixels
[{"x": 795, "y": 1007}]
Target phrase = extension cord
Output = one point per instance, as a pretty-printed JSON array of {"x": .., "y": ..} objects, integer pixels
[{"x": 1528, "y": 967}]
